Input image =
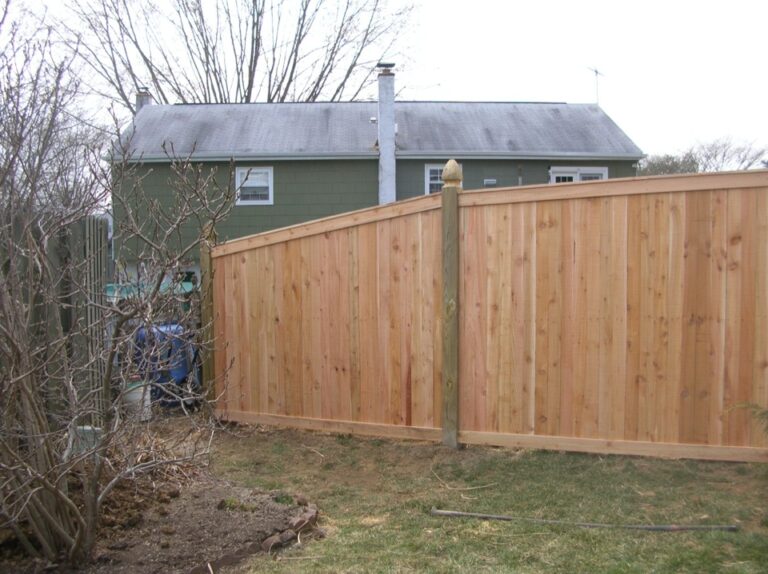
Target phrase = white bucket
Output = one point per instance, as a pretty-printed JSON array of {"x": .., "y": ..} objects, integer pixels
[{"x": 138, "y": 400}]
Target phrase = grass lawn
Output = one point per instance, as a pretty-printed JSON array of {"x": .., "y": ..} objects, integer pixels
[{"x": 375, "y": 496}]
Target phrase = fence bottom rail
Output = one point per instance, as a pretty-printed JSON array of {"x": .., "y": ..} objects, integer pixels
[{"x": 570, "y": 444}]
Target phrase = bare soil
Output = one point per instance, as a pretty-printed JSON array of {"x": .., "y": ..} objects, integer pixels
[
  {"x": 202, "y": 526},
  {"x": 211, "y": 522}
]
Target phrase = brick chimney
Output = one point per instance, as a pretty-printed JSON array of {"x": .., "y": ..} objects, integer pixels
[
  {"x": 143, "y": 98},
  {"x": 386, "y": 125}
]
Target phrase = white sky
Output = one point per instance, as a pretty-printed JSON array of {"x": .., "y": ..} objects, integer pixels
[{"x": 676, "y": 72}]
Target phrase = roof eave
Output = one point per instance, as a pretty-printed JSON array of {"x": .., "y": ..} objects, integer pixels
[
  {"x": 575, "y": 156},
  {"x": 426, "y": 155},
  {"x": 223, "y": 157}
]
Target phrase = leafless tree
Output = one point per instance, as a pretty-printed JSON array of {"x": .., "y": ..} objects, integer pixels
[
  {"x": 722, "y": 154},
  {"x": 726, "y": 155},
  {"x": 665, "y": 164},
  {"x": 190, "y": 51},
  {"x": 67, "y": 353}
]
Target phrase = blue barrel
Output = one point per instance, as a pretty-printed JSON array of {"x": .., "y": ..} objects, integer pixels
[{"x": 164, "y": 355}]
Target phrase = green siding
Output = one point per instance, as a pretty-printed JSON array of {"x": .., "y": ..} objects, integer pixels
[
  {"x": 306, "y": 190},
  {"x": 411, "y": 178}
]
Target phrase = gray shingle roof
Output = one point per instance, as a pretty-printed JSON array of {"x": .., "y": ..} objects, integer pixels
[{"x": 425, "y": 129}]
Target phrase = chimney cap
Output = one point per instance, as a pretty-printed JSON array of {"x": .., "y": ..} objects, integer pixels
[{"x": 385, "y": 65}]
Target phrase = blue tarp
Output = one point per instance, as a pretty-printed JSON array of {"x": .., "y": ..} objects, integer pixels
[{"x": 165, "y": 356}]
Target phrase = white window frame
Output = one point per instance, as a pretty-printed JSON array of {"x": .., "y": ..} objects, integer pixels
[
  {"x": 577, "y": 172},
  {"x": 427, "y": 168},
  {"x": 241, "y": 173}
]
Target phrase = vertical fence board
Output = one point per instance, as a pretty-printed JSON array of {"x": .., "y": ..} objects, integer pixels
[
  {"x": 677, "y": 287},
  {"x": 569, "y": 327},
  {"x": 633, "y": 376},
  {"x": 434, "y": 254},
  {"x": 470, "y": 336},
  {"x": 717, "y": 305},
  {"x": 308, "y": 328},
  {"x": 369, "y": 328},
  {"x": 242, "y": 315},
  {"x": 354, "y": 325},
  {"x": 740, "y": 314},
  {"x": 759, "y": 394},
  {"x": 529, "y": 311},
  {"x": 494, "y": 277},
  {"x": 234, "y": 390},
  {"x": 502, "y": 285},
  {"x": 617, "y": 379},
  {"x": 554, "y": 320},
  {"x": 548, "y": 317},
  {"x": 645, "y": 390},
  {"x": 591, "y": 386},
  {"x": 605, "y": 322}
]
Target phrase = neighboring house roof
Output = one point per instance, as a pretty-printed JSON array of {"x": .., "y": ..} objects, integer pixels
[{"x": 345, "y": 130}]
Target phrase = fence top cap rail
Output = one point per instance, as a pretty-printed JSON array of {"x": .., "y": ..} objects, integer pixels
[
  {"x": 747, "y": 178},
  {"x": 618, "y": 186}
]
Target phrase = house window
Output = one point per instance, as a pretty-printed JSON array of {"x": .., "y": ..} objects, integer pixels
[
  {"x": 433, "y": 178},
  {"x": 254, "y": 186},
  {"x": 563, "y": 174}
]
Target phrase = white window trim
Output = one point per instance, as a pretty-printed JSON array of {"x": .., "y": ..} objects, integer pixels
[
  {"x": 576, "y": 172},
  {"x": 242, "y": 172},
  {"x": 427, "y": 168}
]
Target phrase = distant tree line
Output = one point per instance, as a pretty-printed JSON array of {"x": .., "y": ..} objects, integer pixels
[{"x": 722, "y": 154}]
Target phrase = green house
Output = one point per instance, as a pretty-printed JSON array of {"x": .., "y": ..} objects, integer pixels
[{"x": 296, "y": 162}]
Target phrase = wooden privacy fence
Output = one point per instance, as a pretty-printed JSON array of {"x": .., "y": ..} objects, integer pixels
[{"x": 626, "y": 316}]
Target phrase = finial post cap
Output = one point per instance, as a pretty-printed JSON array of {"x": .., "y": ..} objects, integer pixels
[{"x": 452, "y": 173}]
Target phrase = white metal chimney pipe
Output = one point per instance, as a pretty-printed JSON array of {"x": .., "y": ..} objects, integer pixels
[{"x": 386, "y": 125}]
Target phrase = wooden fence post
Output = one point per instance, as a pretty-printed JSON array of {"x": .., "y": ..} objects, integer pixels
[
  {"x": 452, "y": 177},
  {"x": 206, "y": 309}
]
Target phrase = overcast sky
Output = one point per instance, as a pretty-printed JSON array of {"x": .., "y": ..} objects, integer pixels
[{"x": 676, "y": 72}]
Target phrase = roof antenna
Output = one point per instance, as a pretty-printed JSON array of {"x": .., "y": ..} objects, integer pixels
[{"x": 597, "y": 83}]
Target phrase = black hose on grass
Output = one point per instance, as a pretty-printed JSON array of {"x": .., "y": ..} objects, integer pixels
[{"x": 646, "y": 527}]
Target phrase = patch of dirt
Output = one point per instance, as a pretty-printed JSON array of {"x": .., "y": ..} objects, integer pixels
[{"x": 183, "y": 530}]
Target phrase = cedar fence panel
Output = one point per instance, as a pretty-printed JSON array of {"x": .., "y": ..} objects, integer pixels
[
  {"x": 626, "y": 316},
  {"x": 340, "y": 325}
]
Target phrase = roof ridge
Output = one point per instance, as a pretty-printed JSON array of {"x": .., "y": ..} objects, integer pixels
[{"x": 522, "y": 102}]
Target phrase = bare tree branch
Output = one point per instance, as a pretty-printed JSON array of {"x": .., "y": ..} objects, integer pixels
[
  {"x": 67, "y": 354},
  {"x": 234, "y": 50},
  {"x": 722, "y": 154}
]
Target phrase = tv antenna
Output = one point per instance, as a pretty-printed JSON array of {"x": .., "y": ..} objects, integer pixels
[{"x": 597, "y": 73}]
